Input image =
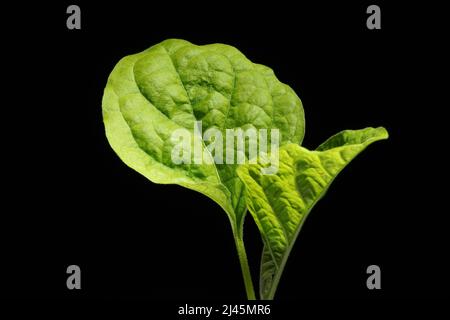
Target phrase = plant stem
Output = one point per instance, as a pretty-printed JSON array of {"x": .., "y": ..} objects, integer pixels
[{"x": 244, "y": 267}]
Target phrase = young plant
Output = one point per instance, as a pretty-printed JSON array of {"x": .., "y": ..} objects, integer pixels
[{"x": 174, "y": 85}]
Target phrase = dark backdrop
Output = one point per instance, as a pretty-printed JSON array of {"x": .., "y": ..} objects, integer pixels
[{"x": 70, "y": 200}]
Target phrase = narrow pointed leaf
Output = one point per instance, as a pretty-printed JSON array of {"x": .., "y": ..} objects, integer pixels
[{"x": 280, "y": 203}]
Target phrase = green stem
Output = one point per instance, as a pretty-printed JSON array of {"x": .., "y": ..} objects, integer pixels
[{"x": 245, "y": 267}]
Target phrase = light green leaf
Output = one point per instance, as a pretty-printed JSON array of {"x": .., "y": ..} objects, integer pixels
[
  {"x": 172, "y": 85},
  {"x": 280, "y": 203}
]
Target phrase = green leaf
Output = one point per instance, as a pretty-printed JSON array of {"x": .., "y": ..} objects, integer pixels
[
  {"x": 280, "y": 203},
  {"x": 172, "y": 85}
]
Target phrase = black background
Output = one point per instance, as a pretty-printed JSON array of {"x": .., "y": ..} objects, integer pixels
[{"x": 70, "y": 200}]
